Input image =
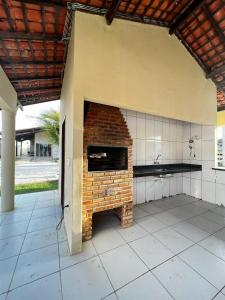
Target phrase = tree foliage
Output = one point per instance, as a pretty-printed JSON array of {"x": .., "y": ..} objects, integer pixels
[{"x": 50, "y": 121}]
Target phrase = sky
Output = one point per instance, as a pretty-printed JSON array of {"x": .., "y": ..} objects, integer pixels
[{"x": 28, "y": 117}]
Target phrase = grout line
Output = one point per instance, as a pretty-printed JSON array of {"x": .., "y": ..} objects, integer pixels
[
  {"x": 104, "y": 267},
  {"x": 60, "y": 274},
  {"x": 149, "y": 270},
  {"x": 19, "y": 254},
  {"x": 98, "y": 255}
]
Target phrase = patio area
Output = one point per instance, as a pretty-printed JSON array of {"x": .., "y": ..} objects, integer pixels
[{"x": 175, "y": 250}]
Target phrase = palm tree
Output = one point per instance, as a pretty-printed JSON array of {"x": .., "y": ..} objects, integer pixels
[{"x": 50, "y": 121}]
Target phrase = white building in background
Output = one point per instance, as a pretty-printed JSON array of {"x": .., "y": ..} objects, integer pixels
[{"x": 34, "y": 142}]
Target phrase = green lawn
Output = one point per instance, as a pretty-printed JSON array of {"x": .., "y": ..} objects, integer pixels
[{"x": 36, "y": 187}]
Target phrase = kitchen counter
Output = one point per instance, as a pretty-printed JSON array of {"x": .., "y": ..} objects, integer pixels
[
  {"x": 164, "y": 169},
  {"x": 219, "y": 168}
]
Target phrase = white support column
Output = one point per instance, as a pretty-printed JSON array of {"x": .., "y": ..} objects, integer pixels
[{"x": 8, "y": 161}]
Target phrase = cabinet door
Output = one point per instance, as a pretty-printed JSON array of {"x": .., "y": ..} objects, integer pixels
[
  {"x": 140, "y": 192},
  {"x": 165, "y": 187},
  {"x": 158, "y": 189},
  {"x": 149, "y": 189}
]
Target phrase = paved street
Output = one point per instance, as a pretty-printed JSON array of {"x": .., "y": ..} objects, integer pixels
[{"x": 29, "y": 171}]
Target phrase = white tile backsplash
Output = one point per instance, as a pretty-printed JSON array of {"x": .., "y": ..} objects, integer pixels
[
  {"x": 141, "y": 128},
  {"x": 153, "y": 135}
]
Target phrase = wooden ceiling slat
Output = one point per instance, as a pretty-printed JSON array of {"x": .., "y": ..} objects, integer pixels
[
  {"x": 49, "y": 63},
  {"x": 33, "y": 89},
  {"x": 195, "y": 4},
  {"x": 28, "y": 36},
  {"x": 14, "y": 80},
  {"x": 156, "y": 8},
  {"x": 136, "y": 7},
  {"x": 171, "y": 8},
  {"x": 147, "y": 8},
  {"x": 214, "y": 24},
  {"x": 44, "y": 2}
]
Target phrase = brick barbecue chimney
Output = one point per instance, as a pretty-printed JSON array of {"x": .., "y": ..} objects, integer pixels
[{"x": 107, "y": 166}]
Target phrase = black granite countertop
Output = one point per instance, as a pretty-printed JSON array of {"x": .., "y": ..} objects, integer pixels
[
  {"x": 163, "y": 169},
  {"x": 219, "y": 168}
]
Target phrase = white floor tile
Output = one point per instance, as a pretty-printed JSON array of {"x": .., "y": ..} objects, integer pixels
[
  {"x": 151, "y": 209},
  {"x": 43, "y": 212},
  {"x": 15, "y": 217},
  {"x": 205, "y": 204},
  {"x": 215, "y": 246},
  {"x": 39, "y": 239},
  {"x": 204, "y": 263},
  {"x": 182, "y": 282},
  {"x": 151, "y": 251},
  {"x": 145, "y": 287},
  {"x": 13, "y": 229},
  {"x": 220, "y": 210},
  {"x": 167, "y": 218},
  {"x": 42, "y": 223},
  {"x": 139, "y": 213},
  {"x": 86, "y": 280},
  {"x": 43, "y": 204},
  {"x": 111, "y": 297},
  {"x": 106, "y": 240},
  {"x": 220, "y": 296},
  {"x": 205, "y": 224},
  {"x": 6, "y": 272},
  {"x": 173, "y": 240},
  {"x": 62, "y": 236},
  {"x": 67, "y": 260},
  {"x": 132, "y": 233},
  {"x": 122, "y": 266},
  {"x": 36, "y": 264},
  {"x": 220, "y": 234},
  {"x": 11, "y": 246},
  {"x": 190, "y": 231},
  {"x": 46, "y": 288},
  {"x": 216, "y": 218},
  {"x": 3, "y": 297},
  {"x": 151, "y": 224}
]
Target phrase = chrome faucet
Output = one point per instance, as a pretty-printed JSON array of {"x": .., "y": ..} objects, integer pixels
[{"x": 156, "y": 162}]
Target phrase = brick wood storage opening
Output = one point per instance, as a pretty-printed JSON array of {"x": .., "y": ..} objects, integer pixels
[{"x": 109, "y": 189}]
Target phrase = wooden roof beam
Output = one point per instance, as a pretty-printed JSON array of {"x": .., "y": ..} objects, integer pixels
[
  {"x": 18, "y": 80},
  {"x": 215, "y": 25},
  {"x": 30, "y": 63},
  {"x": 29, "y": 36},
  {"x": 44, "y": 3},
  {"x": 40, "y": 89},
  {"x": 112, "y": 11},
  {"x": 185, "y": 14},
  {"x": 216, "y": 71}
]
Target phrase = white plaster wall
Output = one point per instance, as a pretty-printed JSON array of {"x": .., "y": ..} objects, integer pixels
[{"x": 41, "y": 138}]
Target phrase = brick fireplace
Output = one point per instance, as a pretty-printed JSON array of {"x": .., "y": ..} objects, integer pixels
[{"x": 107, "y": 166}]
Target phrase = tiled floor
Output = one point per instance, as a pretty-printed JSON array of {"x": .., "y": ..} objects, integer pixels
[{"x": 175, "y": 250}]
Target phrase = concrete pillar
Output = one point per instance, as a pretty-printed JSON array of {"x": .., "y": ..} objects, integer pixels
[{"x": 8, "y": 161}]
